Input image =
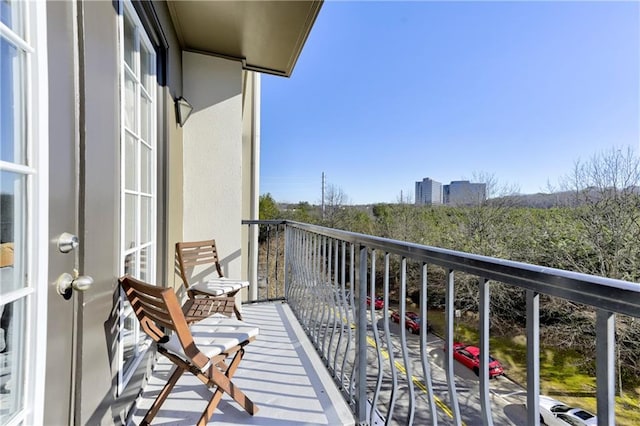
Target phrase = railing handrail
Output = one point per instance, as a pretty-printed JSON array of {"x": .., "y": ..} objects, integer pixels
[{"x": 604, "y": 293}]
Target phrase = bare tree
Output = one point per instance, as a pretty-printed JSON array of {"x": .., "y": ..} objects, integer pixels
[
  {"x": 405, "y": 197},
  {"x": 607, "y": 198},
  {"x": 481, "y": 220},
  {"x": 335, "y": 201}
]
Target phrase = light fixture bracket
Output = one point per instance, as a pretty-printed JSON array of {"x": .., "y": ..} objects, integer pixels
[{"x": 183, "y": 110}]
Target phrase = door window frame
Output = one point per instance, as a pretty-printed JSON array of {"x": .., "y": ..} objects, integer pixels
[
  {"x": 131, "y": 255},
  {"x": 28, "y": 36}
]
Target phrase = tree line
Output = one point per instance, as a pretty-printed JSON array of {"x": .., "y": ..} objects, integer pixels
[{"x": 593, "y": 230}]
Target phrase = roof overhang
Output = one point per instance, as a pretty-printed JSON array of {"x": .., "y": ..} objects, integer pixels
[{"x": 266, "y": 36}]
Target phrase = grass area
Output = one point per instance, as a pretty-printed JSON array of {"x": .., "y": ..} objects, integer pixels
[{"x": 561, "y": 376}]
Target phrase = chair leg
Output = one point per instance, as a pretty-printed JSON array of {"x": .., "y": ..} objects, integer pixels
[
  {"x": 223, "y": 383},
  {"x": 237, "y": 312},
  {"x": 235, "y": 306},
  {"x": 162, "y": 396}
]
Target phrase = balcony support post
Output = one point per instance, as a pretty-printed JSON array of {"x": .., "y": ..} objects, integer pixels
[
  {"x": 533, "y": 357},
  {"x": 605, "y": 367},
  {"x": 288, "y": 246}
]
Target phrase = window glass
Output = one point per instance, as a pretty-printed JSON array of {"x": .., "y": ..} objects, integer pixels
[
  {"x": 12, "y": 351},
  {"x": 129, "y": 42},
  {"x": 130, "y": 266},
  {"x": 145, "y": 68},
  {"x": 130, "y": 105},
  {"x": 145, "y": 117},
  {"x": 145, "y": 169},
  {"x": 12, "y": 231},
  {"x": 145, "y": 219},
  {"x": 130, "y": 210},
  {"x": 145, "y": 264},
  {"x": 12, "y": 112},
  {"x": 11, "y": 12},
  {"x": 130, "y": 171}
]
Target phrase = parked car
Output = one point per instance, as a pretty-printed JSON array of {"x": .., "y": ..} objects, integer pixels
[
  {"x": 412, "y": 321},
  {"x": 412, "y": 324},
  {"x": 556, "y": 413},
  {"x": 378, "y": 303},
  {"x": 469, "y": 356}
]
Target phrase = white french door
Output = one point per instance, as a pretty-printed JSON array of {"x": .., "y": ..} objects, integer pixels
[
  {"x": 23, "y": 210},
  {"x": 138, "y": 177}
]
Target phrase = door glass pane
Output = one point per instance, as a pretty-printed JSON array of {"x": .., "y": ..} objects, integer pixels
[
  {"x": 145, "y": 118},
  {"x": 12, "y": 350},
  {"x": 130, "y": 103},
  {"x": 130, "y": 163},
  {"x": 130, "y": 266},
  {"x": 145, "y": 64},
  {"x": 131, "y": 336},
  {"x": 145, "y": 219},
  {"x": 12, "y": 113},
  {"x": 130, "y": 221},
  {"x": 11, "y": 15},
  {"x": 145, "y": 264},
  {"x": 129, "y": 43},
  {"x": 12, "y": 231},
  {"x": 145, "y": 165}
]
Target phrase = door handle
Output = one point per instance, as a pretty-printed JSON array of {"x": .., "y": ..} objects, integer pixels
[
  {"x": 66, "y": 283},
  {"x": 67, "y": 242}
]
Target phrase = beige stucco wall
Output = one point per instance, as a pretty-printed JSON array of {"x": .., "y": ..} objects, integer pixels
[{"x": 212, "y": 156}]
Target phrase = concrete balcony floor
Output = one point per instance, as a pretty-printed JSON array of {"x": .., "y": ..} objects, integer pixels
[{"x": 281, "y": 372}]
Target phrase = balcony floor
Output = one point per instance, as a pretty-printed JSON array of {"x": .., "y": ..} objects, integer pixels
[{"x": 281, "y": 372}]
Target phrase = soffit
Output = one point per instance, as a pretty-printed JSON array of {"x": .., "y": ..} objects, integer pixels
[{"x": 267, "y": 36}]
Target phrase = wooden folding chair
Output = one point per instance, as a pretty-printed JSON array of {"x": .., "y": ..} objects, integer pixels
[
  {"x": 200, "y": 253},
  {"x": 200, "y": 348}
]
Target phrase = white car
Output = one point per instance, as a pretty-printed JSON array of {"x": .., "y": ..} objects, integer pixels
[{"x": 556, "y": 413}]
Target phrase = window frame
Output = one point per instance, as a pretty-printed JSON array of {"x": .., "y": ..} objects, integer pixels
[
  {"x": 127, "y": 11},
  {"x": 30, "y": 40}
]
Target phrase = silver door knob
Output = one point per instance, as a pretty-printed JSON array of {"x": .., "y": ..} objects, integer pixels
[
  {"x": 67, "y": 242},
  {"x": 66, "y": 283}
]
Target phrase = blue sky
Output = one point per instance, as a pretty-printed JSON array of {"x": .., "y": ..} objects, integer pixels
[{"x": 387, "y": 93}]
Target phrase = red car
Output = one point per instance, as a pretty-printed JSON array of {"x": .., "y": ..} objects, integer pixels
[
  {"x": 469, "y": 356},
  {"x": 411, "y": 321},
  {"x": 378, "y": 304}
]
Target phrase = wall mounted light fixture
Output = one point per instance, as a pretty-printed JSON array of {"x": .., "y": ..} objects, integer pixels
[{"x": 183, "y": 110}]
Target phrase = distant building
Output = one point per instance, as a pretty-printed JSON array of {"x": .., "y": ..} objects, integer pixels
[
  {"x": 428, "y": 192},
  {"x": 463, "y": 192}
]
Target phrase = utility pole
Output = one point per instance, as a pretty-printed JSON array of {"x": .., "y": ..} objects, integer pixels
[{"x": 322, "y": 195}]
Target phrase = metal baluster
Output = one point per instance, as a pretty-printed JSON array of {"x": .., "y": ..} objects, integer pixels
[
  {"x": 485, "y": 403},
  {"x": 448, "y": 360},
  {"x": 533, "y": 358},
  {"x": 376, "y": 336},
  {"x": 426, "y": 368},
  {"x": 403, "y": 340},
  {"x": 390, "y": 348},
  {"x": 605, "y": 367}
]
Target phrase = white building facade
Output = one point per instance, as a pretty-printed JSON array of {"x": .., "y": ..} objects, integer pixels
[
  {"x": 464, "y": 193},
  {"x": 428, "y": 192}
]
